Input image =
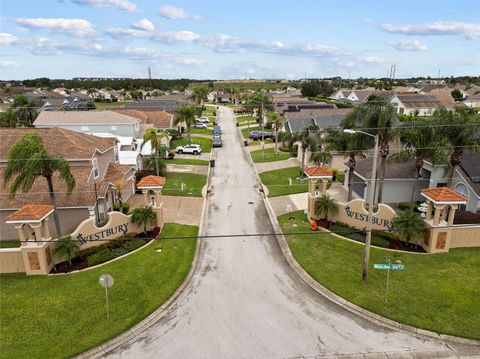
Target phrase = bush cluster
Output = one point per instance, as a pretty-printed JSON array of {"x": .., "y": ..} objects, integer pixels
[{"x": 379, "y": 239}]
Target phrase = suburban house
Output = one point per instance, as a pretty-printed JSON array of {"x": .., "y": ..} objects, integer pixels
[
  {"x": 93, "y": 163},
  {"x": 91, "y": 122},
  {"x": 472, "y": 97},
  {"x": 355, "y": 96},
  {"x": 399, "y": 180},
  {"x": 157, "y": 118},
  {"x": 169, "y": 103},
  {"x": 415, "y": 104}
]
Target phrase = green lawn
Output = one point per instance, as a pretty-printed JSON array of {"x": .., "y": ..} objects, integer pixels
[
  {"x": 194, "y": 183},
  {"x": 206, "y": 143},
  {"x": 208, "y": 112},
  {"x": 254, "y": 143},
  {"x": 246, "y": 131},
  {"x": 269, "y": 155},
  {"x": 10, "y": 244},
  {"x": 277, "y": 181},
  {"x": 202, "y": 131},
  {"x": 437, "y": 292},
  {"x": 244, "y": 119},
  {"x": 64, "y": 315},
  {"x": 107, "y": 105},
  {"x": 187, "y": 161}
]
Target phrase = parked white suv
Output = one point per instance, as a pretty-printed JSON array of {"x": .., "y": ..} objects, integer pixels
[
  {"x": 200, "y": 125},
  {"x": 193, "y": 149},
  {"x": 203, "y": 119}
]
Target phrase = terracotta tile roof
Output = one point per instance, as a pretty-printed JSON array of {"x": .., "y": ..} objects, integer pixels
[
  {"x": 58, "y": 142},
  {"x": 116, "y": 172},
  {"x": 317, "y": 171},
  {"x": 83, "y": 195},
  {"x": 30, "y": 212},
  {"x": 151, "y": 181},
  {"x": 443, "y": 194}
]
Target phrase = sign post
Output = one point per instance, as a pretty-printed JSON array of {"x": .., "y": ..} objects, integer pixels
[
  {"x": 106, "y": 281},
  {"x": 389, "y": 266}
]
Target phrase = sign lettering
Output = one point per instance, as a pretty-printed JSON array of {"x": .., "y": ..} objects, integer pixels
[
  {"x": 120, "y": 229},
  {"x": 364, "y": 218}
]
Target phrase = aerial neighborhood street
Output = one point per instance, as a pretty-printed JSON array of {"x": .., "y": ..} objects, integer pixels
[{"x": 236, "y": 190}]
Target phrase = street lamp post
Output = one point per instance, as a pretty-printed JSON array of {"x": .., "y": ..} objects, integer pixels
[{"x": 371, "y": 196}]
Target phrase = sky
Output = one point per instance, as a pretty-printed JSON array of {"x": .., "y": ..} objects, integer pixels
[{"x": 227, "y": 39}]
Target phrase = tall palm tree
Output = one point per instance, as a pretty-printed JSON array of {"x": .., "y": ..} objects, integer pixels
[
  {"x": 278, "y": 121},
  {"x": 409, "y": 226},
  {"x": 27, "y": 161},
  {"x": 66, "y": 248},
  {"x": 459, "y": 128},
  {"x": 308, "y": 138},
  {"x": 345, "y": 143},
  {"x": 377, "y": 117},
  {"x": 421, "y": 140},
  {"x": 187, "y": 114},
  {"x": 154, "y": 136},
  {"x": 261, "y": 102},
  {"x": 199, "y": 93},
  {"x": 326, "y": 205},
  {"x": 320, "y": 156},
  {"x": 143, "y": 216}
]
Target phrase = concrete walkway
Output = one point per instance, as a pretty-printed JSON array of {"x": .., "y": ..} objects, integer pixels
[
  {"x": 245, "y": 301},
  {"x": 201, "y": 156},
  {"x": 203, "y": 170},
  {"x": 259, "y": 147}
]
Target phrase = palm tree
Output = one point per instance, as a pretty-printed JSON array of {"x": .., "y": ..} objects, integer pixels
[
  {"x": 326, "y": 205},
  {"x": 119, "y": 186},
  {"x": 409, "y": 226},
  {"x": 28, "y": 160},
  {"x": 154, "y": 136},
  {"x": 66, "y": 248},
  {"x": 199, "y": 93},
  {"x": 143, "y": 216},
  {"x": 308, "y": 138},
  {"x": 276, "y": 120},
  {"x": 152, "y": 164},
  {"x": 459, "y": 128},
  {"x": 421, "y": 140},
  {"x": 344, "y": 143},
  {"x": 377, "y": 117},
  {"x": 261, "y": 103},
  {"x": 187, "y": 114}
]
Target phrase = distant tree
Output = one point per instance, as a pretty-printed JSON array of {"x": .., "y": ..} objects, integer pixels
[
  {"x": 316, "y": 88},
  {"x": 28, "y": 160},
  {"x": 261, "y": 102},
  {"x": 187, "y": 114},
  {"x": 199, "y": 94},
  {"x": 143, "y": 216},
  {"x": 8, "y": 118},
  {"x": 457, "y": 95}
]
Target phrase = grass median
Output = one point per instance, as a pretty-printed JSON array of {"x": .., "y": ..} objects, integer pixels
[
  {"x": 62, "y": 316},
  {"x": 194, "y": 183},
  {"x": 246, "y": 131},
  {"x": 187, "y": 161},
  {"x": 269, "y": 155},
  {"x": 437, "y": 292},
  {"x": 277, "y": 181}
]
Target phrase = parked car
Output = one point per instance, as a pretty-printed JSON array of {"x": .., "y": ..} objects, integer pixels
[
  {"x": 257, "y": 135},
  {"x": 217, "y": 130},
  {"x": 217, "y": 141},
  {"x": 203, "y": 119},
  {"x": 200, "y": 125},
  {"x": 193, "y": 149}
]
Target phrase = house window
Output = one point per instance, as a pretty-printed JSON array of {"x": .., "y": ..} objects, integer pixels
[
  {"x": 95, "y": 168},
  {"x": 85, "y": 129},
  {"x": 115, "y": 151},
  {"x": 113, "y": 129}
]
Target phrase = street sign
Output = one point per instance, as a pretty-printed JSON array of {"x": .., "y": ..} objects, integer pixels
[
  {"x": 106, "y": 281},
  {"x": 389, "y": 266}
]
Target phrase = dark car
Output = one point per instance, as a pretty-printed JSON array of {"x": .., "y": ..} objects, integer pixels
[
  {"x": 257, "y": 135},
  {"x": 217, "y": 141}
]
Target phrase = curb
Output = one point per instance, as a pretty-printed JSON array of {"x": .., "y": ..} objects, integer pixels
[
  {"x": 353, "y": 308},
  {"x": 160, "y": 312}
]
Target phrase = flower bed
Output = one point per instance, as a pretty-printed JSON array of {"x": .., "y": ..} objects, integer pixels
[{"x": 107, "y": 251}]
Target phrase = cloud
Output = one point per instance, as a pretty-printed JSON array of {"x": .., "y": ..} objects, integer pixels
[
  {"x": 175, "y": 13},
  {"x": 144, "y": 24},
  {"x": 74, "y": 27},
  {"x": 123, "y": 5},
  {"x": 117, "y": 33},
  {"x": 171, "y": 37},
  {"x": 469, "y": 31},
  {"x": 7, "y": 63},
  {"x": 8, "y": 38},
  {"x": 407, "y": 45},
  {"x": 192, "y": 62}
]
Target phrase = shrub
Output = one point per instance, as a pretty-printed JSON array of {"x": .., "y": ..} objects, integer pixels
[
  {"x": 380, "y": 241},
  {"x": 133, "y": 244},
  {"x": 117, "y": 252},
  {"x": 101, "y": 256},
  {"x": 404, "y": 206},
  {"x": 116, "y": 206},
  {"x": 125, "y": 208}
]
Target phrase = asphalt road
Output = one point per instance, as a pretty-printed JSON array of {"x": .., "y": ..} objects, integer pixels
[{"x": 246, "y": 302}]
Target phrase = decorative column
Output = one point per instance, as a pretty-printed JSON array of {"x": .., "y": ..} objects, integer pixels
[
  {"x": 436, "y": 216},
  {"x": 451, "y": 214},
  {"x": 146, "y": 199},
  {"x": 21, "y": 234},
  {"x": 46, "y": 230},
  {"x": 428, "y": 216},
  {"x": 38, "y": 231},
  {"x": 320, "y": 175}
]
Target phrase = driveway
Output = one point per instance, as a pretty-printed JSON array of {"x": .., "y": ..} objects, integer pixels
[{"x": 246, "y": 302}]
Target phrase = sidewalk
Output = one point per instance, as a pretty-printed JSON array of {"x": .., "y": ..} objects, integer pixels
[
  {"x": 276, "y": 165},
  {"x": 203, "y": 170}
]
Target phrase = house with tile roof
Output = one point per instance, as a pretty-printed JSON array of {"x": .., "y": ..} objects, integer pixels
[
  {"x": 354, "y": 96},
  {"x": 90, "y": 122},
  {"x": 94, "y": 165},
  {"x": 415, "y": 104}
]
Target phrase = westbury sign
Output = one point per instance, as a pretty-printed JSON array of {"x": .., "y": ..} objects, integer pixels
[
  {"x": 364, "y": 218},
  {"x": 355, "y": 215},
  {"x": 105, "y": 233}
]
